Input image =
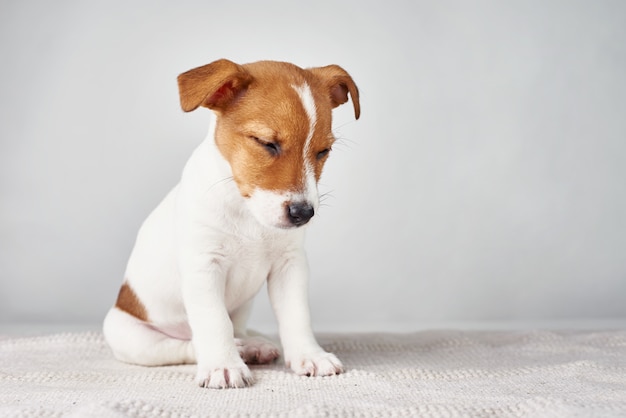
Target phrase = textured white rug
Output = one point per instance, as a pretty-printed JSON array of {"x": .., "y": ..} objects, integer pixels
[{"x": 427, "y": 374}]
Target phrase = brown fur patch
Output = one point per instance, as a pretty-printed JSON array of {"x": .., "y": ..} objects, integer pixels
[
  {"x": 258, "y": 100},
  {"x": 272, "y": 102},
  {"x": 128, "y": 302}
]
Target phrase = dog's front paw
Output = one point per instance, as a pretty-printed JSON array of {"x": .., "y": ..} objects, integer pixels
[
  {"x": 237, "y": 376},
  {"x": 256, "y": 350},
  {"x": 319, "y": 363}
]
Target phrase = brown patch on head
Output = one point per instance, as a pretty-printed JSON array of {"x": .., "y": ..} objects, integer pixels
[
  {"x": 271, "y": 114},
  {"x": 128, "y": 302},
  {"x": 262, "y": 126}
]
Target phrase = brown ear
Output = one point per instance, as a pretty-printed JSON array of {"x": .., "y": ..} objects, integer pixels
[
  {"x": 339, "y": 84},
  {"x": 214, "y": 85}
]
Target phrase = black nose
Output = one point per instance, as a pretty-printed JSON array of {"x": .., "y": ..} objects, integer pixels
[{"x": 299, "y": 213}]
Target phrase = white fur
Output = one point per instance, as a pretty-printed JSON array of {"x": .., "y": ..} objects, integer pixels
[
  {"x": 268, "y": 207},
  {"x": 199, "y": 259},
  {"x": 310, "y": 187}
]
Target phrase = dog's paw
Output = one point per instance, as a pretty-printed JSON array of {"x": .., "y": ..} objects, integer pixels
[
  {"x": 224, "y": 377},
  {"x": 318, "y": 363},
  {"x": 256, "y": 350}
]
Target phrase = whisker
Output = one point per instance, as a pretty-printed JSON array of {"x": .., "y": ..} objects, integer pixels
[
  {"x": 344, "y": 142},
  {"x": 325, "y": 197},
  {"x": 349, "y": 122},
  {"x": 224, "y": 180}
]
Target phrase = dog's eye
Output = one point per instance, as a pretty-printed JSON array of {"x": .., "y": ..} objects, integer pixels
[
  {"x": 323, "y": 153},
  {"x": 272, "y": 147}
]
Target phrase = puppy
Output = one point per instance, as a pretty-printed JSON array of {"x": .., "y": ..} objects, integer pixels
[{"x": 235, "y": 221}]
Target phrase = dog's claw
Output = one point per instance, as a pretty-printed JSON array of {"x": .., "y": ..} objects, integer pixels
[
  {"x": 256, "y": 350},
  {"x": 223, "y": 378},
  {"x": 317, "y": 364}
]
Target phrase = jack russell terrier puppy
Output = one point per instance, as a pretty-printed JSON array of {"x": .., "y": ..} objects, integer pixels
[{"x": 233, "y": 222}]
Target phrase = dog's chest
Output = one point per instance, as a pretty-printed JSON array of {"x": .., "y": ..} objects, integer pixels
[{"x": 247, "y": 266}]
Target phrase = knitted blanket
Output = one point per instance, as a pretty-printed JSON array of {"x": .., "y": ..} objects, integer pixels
[{"x": 426, "y": 374}]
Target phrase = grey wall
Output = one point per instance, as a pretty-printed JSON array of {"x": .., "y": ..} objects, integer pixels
[{"x": 485, "y": 179}]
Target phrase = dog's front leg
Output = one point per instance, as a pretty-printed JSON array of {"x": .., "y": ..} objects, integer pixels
[
  {"x": 287, "y": 287},
  {"x": 219, "y": 363}
]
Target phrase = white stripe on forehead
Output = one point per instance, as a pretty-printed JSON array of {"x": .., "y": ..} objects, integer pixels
[
  {"x": 304, "y": 92},
  {"x": 306, "y": 97}
]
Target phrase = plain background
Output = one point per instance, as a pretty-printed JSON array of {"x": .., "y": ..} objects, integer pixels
[{"x": 486, "y": 179}]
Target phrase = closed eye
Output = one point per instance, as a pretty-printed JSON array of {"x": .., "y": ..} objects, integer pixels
[
  {"x": 272, "y": 147},
  {"x": 323, "y": 153}
]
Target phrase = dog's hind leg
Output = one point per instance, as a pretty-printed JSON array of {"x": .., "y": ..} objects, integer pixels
[{"x": 135, "y": 341}]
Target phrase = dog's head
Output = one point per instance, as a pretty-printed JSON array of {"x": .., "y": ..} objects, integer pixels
[{"x": 273, "y": 128}]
